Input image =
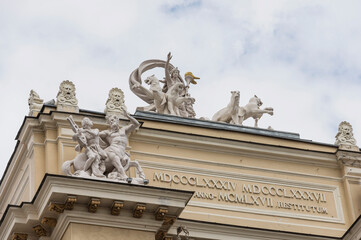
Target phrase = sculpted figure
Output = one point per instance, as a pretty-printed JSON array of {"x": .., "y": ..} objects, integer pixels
[
  {"x": 92, "y": 160},
  {"x": 229, "y": 114},
  {"x": 176, "y": 100},
  {"x": 252, "y": 109},
  {"x": 35, "y": 102},
  {"x": 115, "y": 102},
  {"x": 110, "y": 162},
  {"x": 172, "y": 75},
  {"x": 345, "y": 134},
  {"x": 117, "y": 139},
  {"x": 173, "y": 98}
]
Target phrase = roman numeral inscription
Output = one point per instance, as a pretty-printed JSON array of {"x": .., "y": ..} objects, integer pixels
[{"x": 258, "y": 195}]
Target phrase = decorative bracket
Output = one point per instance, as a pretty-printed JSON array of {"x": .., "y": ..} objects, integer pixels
[
  {"x": 51, "y": 222},
  {"x": 116, "y": 207},
  {"x": 160, "y": 213},
  {"x": 39, "y": 230},
  {"x": 93, "y": 205},
  {"x": 139, "y": 210},
  {"x": 20, "y": 236}
]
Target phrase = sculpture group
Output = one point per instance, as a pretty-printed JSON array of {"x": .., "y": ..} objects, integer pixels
[
  {"x": 102, "y": 154},
  {"x": 174, "y": 98},
  {"x": 105, "y": 153},
  {"x": 171, "y": 98},
  {"x": 234, "y": 114}
]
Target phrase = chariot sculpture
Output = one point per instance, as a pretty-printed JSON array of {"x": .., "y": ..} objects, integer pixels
[{"x": 172, "y": 98}]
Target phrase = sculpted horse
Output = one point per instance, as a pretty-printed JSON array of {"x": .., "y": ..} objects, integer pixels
[
  {"x": 252, "y": 109},
  {"x": 229, "y": 114},
  {"x": 116, "y": 160}
]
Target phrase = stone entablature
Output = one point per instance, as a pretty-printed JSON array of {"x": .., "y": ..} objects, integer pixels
[{"x": 50, "y": 215}]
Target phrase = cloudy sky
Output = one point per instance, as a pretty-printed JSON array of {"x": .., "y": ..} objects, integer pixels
[{"x": 303, "y": 58}]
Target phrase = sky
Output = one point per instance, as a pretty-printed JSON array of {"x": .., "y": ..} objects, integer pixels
[{"x": 303, "y": 58}]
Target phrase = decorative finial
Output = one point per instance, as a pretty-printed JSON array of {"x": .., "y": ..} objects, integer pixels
[
  {"x": 344, "y": 138},
  {"x": 35, "y": 103},
  {"x": 115, "y": 103},
  {"x": 66, "y": 100}
]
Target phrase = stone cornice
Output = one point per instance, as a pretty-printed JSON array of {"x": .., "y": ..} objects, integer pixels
[
  {"x": 57, "y": 193},
  {"x": 349, "y": 158}
]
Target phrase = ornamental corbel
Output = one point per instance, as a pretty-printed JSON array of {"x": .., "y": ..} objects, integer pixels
[
  {"x": 139, "y": 210},
  {"x": 160, "y": 213},
  {"x": 93, "y": 205},
  {"x": 39, "y": 230},
  {"x": 20, "y": 236},
  {"x": 116, "y": 207}
]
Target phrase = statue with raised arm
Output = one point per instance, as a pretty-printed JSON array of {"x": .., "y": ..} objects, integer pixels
[
  {"x": 110, "y": 162},
  {"x": 118, "y": 159},
  {"x": 91, "y": 161},
  {"x": 171, "y": 98}
]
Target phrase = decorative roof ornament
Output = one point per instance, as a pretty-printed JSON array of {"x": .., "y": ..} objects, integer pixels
[
  {"x": 35, "y": 103},
  {"x": 234, "y": 114},
  {"x": 172, "y": 98},
  {"x": 66, "y": 100},
  {"x": 115, "y": 103},
  {"x": 344, "y": 138}
]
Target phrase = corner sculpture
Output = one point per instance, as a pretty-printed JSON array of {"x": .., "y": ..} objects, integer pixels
[
  {"x": 35, "y": 103},
  {"x": 344, "y": 138},
  {"x": 234, "y": 114},
  {"x": 172, "y": 98},
  {"x": 105, "y": 155}
]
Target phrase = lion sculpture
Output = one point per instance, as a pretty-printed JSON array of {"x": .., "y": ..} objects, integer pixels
[
  {"x": 66, "y": 94},
  {"x": 234, "y": 114},
  {"x": 115, "y": 103},
  {"x": 229, "y": 114},
  {"x": 252, "y": 109}
]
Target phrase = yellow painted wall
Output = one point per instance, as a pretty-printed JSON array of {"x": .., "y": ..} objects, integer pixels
[{"x": 77, "y": 231}]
